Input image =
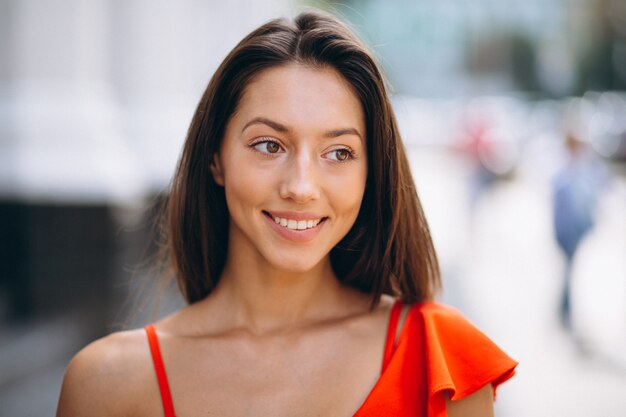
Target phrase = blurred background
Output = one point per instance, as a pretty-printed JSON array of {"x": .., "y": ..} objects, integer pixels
[{"x": 513, "y": 114}]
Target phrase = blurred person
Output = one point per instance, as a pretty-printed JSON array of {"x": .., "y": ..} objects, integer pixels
[
  {"x": 299, "y": 242},
  {"x": 576, "y": 188},
  {"x": 493, "y": 156},
  {"x": 478, "y": 149}
]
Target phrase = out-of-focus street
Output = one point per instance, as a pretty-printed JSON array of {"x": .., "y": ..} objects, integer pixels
[{"x": 503, "y": 269}]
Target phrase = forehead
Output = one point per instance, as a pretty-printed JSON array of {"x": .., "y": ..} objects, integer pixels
[{"x": 302, "y": 96}]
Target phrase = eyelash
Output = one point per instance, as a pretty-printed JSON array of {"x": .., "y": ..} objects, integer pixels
[
  {"x": 254, "y": 145},
  {"x": 351, "y": 154},
  {"x": 350, "y": 157}
]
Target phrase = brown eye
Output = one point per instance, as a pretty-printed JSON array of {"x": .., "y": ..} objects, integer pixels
[
  {"x": 342, "y": 154},
  {"x": 267, "y": 147},
  {"x": 272, "y": 147}
]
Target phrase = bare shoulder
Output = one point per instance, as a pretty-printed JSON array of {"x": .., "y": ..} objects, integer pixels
[
  {"x": 478, "y": 404},
  {"x": 107, "y": 377}
]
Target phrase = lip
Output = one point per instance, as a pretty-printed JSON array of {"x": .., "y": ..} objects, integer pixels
[
  {"x": 294, "y": 215},
  {"x": 302, "y": 236}
]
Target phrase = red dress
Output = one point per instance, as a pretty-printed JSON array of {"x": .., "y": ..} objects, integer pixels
[{"x": 438, "y": 350}]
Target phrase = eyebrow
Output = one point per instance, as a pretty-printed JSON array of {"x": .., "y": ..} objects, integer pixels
[
  {"x": 340, "y": 132},
  {"x": 264, "y": 121},
  {"x": 279, "y": 127}
]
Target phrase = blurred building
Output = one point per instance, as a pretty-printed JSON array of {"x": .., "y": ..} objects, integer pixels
[{"x": 458, "y": 48}]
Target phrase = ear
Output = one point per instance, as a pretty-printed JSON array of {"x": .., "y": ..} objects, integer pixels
[{"x": 217, "y": 170}]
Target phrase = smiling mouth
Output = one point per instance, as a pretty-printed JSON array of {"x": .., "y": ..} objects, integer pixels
[{"x": 296, "y": 225}]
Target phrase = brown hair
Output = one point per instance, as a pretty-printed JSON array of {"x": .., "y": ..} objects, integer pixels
[{"x": 388, "y": 250}]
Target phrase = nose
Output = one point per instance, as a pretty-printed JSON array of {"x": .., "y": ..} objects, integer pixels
[{"x": 300, "y": 182}]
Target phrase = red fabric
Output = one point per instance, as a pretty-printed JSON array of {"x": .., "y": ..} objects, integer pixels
[
  {"x": 438, "y": 351},
  {"x": 159, "y": 367},
  {"x": 394, "y": 317}
]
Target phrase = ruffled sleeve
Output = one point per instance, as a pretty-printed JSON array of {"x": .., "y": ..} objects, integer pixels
[{"x": 460, "y": 359}]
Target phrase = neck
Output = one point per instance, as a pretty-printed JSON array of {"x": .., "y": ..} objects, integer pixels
[{"x": 263, "y": 299}]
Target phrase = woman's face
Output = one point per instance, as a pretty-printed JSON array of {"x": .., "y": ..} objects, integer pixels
[{"x": 293, "y": 164}]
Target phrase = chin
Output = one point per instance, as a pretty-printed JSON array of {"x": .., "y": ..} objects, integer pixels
[{"x": 296, "y": 264}]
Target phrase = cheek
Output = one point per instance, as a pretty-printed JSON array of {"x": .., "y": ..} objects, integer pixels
[
  {"x": 244, "y": 185},
  {"x": 346, "y": 195}
]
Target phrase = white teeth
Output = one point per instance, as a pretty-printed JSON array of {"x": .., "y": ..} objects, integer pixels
[{"x": 297, "y": 224}]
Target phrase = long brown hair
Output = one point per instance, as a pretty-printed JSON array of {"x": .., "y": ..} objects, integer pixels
[{"x": 389, "y": 249}]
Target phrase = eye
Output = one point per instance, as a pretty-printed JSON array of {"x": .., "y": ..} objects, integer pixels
[
  {"x": 268, "y": 147},
  {"x": 340, "y": 155}
]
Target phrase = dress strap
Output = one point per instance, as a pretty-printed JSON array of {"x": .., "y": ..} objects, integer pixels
[
  {"x": 390, "y": 343},
  {"x": 159, "y": 367}
]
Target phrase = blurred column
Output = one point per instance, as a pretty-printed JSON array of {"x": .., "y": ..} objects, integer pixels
[
  {"x": 64, "y": 161},
  {"x": 67, "y": 144}
]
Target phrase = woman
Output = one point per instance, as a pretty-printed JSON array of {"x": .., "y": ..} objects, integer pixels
[{"x": 300, "y": 245}]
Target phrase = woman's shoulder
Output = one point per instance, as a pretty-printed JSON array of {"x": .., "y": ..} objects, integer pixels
[
  {"x": 107, "y": 376},
  {"x": 116, "y": 350}
]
